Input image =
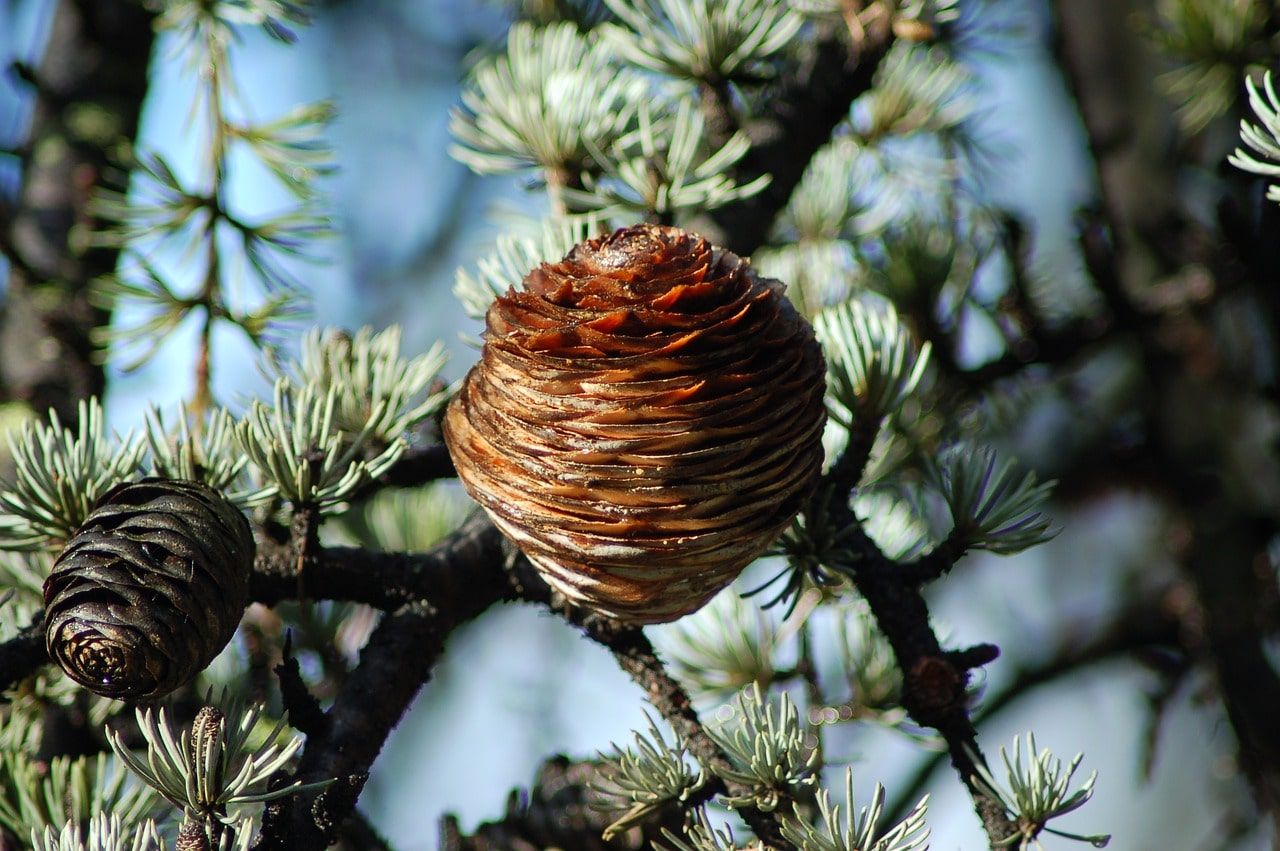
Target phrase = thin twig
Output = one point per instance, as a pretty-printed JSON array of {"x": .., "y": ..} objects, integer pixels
[
  {"x": 210, "y": 296},
  {"x": 635, "y": 655},
  {"x": 935, "y": 681},
  {"x": 1133, "y": 630},
  {"x": 305, "y": 714},
  {"x": 807, "y": 668}
]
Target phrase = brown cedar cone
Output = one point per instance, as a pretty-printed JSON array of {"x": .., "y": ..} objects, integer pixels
[
  {"x": 149, "y": 589},
  {"x": 644, "y": 421}
]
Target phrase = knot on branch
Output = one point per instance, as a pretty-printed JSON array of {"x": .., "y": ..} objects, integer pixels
[
  {"x": 339, "y": 797},
  {"x": 935, "y": 690}
]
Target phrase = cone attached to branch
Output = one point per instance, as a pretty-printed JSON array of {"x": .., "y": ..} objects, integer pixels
[
  {"x": 644, "y": 421},
  {"x": 149, "y": 589}
]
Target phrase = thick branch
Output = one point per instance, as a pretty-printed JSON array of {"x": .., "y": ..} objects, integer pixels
[
  {"x": 382, "y": 580},
  {"x": 802, "y": 114},
  {"x": 435, "y": 592},
  {"x": 395, "y": 663},
  {"x": 95, "y": 64},
  {"x": 23, "y": 655}
]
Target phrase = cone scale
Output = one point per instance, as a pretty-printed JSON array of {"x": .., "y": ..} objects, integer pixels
[{"x": 645, "y": 419}]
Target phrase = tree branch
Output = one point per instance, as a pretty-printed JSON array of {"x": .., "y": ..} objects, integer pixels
[
  {"x": 23, "y": 655},
  {"x": 437, "y": 592},
  {"x": 95, "y": 62},
  {"x": 383, "y": 580},
  {"x": 1229, "y": 530},
  {"x": 395, "y": 663},
  {"x": 1134, "y": 630},
  {"x": 804, "y": 111},
  {"x": 935, "y": 682},
  {"x": 305, "y": 714},
  {"x": 635, "y": 655}
]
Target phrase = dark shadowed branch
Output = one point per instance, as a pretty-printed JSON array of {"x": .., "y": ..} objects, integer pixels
[
  {"x": 635, "y": 655},
  {"x": 1133, "y": 631},
  {"x": 394, "y": 665},
  {"x": 1134, "y": 235},
  {"x": 95, "y": 63},
  {"x": 455, "y": 582},
  {"x": 23, "y": 655},
  {"x": 800, "y": 119}
]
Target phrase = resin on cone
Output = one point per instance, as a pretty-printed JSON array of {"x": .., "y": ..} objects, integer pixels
[
  {"x": 149, "y": 589},
  {"x": 645, "y": 420}
]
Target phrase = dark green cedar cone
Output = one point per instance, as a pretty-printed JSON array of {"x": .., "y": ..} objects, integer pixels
[{"x": 149, "y": 589}]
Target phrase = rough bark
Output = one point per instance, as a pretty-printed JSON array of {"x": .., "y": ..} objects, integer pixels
[
  {"x": 806, "y": 107},
  {"x": 88, "y": 91}
]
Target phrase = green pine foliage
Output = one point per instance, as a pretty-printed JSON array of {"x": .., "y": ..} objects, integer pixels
[
  {"x": 1261, "y": 154},
  {"x": 255, "y": 291},
  {"x": 860, "y": 831}
]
